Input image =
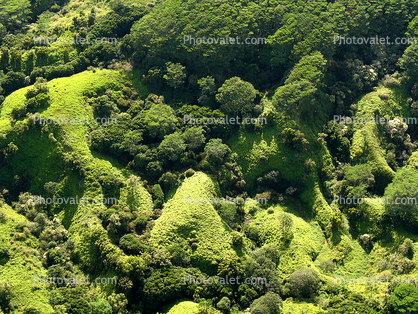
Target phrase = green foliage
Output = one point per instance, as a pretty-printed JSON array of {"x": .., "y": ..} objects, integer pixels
[
  {"x": 314, "y": 75},
  {"x": 176, "y": 75},
  {"x": 352, "y": 301},
  {"x": 159, "y": 120},
  {"x": 404, "y": 299},
  {"x": 302, "y": 84},
  {"x": 101, "y": 306},
  {"x": 32, "y": 310},
  {"x": 13, "y": 81},
  {"x": 187, "y": 216},
  {"x": 360, "y": 179},
  {"x": 262, "y": 264},
  {"x": 224, "y": 305},
  {"x": 168, "y": 180},
  {"x": 40, "y": 86},
  {"x": 304, "y": 283},
  {"x": 194, "y": 137},
  {"x": 215, "y": 151},
  {"x": 158, "y": 195},
  {"x": 74, "y": 300},
  {"x": 118, "y": 302},
  {"x": 208, "y": 88},
  {"x": 236, "y": 96},
  {"x": 237, "y": 239},
  {"x": 169, "y": 284},
  {"x": 6, "y": 295},
  {"x": 172, "y": 146},
  {"x": 154, "y": 169},
  {"x": 14, "y": 14},
  {"x": 407, "y": 248},
  {"x": 189, "y": 173},
  {"x": 338, "y": 135},
  {"x": 270, "y": 303},
  {"x": 409, "y": 61},
  {"x": 270, "y": 180},
  {"x": 131, "y": 245},
  {"x": 184, "y": 307},
  {"x": 162, "y": 33},
  {"x": 402, "y": 194},
  {"x": 294, "y": 138}
]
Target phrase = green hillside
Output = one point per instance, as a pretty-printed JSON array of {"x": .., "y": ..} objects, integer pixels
[{"x": 208, "y": 157}]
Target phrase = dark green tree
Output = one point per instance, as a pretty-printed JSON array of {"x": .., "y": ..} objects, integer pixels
[
  {"x": 304, "y": 283},
  {"x": 270, "y": 303},
  {"x": 404, "y": 299},
  {"x": 215, "y": 151},
  {"x": 236, "y": 96},
  {"x": 175, "y": 75}
]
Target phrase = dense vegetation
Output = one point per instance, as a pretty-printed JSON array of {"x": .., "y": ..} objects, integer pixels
[{"x": 296, "y": 172}]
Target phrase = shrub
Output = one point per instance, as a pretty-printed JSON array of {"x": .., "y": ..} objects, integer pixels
[
  {"x": 6, "y": 296},
  {"x": 118, "y": 303},
  {"x": 294, "y": 138},
  {"x": 215, "y": 151},
  {"x": 189, "y": 173},
  {"x": 172, "y": 146},
  {"x": 13, "y": 81},
  {"x": 154, "y": 169},
  {"x": 390, "y": 81},
  {"x": 176, "y": 74},
  {"x": 403, "y": 186},
  {"x": 383, "y": 96},
  {"x": 3, "y": 217},
  {"x": 140, "y": 223},
  {"x": 327, "y": 266},
  {"x": 168, "y": 180},
  {"x": 396, "y": 263},
  {"x": 159, "y": 120},
  {"x": 404, "y": 299},
  {"x": 236, "y": 96},
  {"x": 270, "y": 303},
  {"x": 304, "y": 283},
  {"x": 237, "y": 239},
  {"x": 270, "y": 180},
  {"x": 157, "y": 290},
  {"x": 101, "y": 307},
  {"x": 51, "y": 187},
  {"x": 224, "y": 305},
  {"x": 157, "y": 195},
  {"x": 32, "y": 310},
  {"x": 407, "y": 248},
  {"x": 131, "y": 245},
  {"x": 194, "y": 137},
  {"x": 40, "y": 87},
  {"x": 19, "y": 111}
]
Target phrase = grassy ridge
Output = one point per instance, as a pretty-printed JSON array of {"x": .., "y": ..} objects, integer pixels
[
  {"x": 48, "y": 161},
  {"x": 181, "y": 216},
  {"x": 23, "y": 264},
  {"x": 306, "y": 241},
  {"x": 184, "y": 307}
]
